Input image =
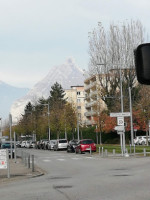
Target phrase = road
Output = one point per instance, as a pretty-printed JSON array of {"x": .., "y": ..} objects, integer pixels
[{"x": 82, "y": 177}]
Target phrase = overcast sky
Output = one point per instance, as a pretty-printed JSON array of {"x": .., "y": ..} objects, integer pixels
[{"x": 36, "y": 35}]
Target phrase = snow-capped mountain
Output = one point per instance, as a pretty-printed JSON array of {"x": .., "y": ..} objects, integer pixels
[
  {"x": 67, "y": 74},
  {"x": 9, "y": 94}
]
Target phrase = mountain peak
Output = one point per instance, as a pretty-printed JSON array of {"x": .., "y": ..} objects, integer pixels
[{"x": 67, "y": 74}]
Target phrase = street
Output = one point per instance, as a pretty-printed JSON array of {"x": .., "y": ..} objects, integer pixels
[{"x": 72, "y": 176}]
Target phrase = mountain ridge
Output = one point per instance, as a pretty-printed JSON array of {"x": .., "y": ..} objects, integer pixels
[{"x": 67, "y": 74}]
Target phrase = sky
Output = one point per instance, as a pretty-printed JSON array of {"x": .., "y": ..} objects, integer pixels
[{"x": 36, "y": 35}]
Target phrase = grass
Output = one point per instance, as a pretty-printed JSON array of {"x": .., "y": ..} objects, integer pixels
[{"x": 110, "y": 147}]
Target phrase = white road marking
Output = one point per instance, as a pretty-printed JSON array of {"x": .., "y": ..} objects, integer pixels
[
  {"x": 61, "y": 159},
  {"x": 76, "y": 158},
  {"x": 47, "y": 160}
]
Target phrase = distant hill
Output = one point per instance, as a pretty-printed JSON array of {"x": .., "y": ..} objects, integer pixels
[
  {"x": 67, "y": 74},
  {"x": 9, "y": 94}
]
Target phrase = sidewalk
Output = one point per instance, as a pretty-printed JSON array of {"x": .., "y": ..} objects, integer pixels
[{"x": 18, "y": 171}]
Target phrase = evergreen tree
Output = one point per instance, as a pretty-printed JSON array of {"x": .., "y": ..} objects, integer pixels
[{"x": 57, "y": 95}]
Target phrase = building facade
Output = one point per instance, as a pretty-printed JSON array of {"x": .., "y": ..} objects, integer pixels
[
  {"x": 93, "y": 102},
  {"x": 76, "y": 96}
]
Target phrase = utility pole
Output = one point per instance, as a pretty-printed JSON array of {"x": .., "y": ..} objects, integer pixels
[{"x": 131, "y": 118}]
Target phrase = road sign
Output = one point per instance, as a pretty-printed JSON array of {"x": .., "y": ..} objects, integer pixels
[
  {"x": 123, "y": 114},
  {"x": 3, "y": 159},
  {"x": 119, "y": 128},
  {"x": 120, "y": 121}
]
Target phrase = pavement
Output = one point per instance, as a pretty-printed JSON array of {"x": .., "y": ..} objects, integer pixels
[{"x": 18, "y": 171}]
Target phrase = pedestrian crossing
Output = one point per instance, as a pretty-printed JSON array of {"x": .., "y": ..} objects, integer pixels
[{"x": 64, "y": 158}]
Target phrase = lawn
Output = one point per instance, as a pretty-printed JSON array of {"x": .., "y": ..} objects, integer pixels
[{"x": 110, "y": 147}]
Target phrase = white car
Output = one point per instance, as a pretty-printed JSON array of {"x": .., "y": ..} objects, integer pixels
[
  {"x": 61, "y": 144},
  {"x": 141, "y": 140},
  {"x": 23, "y": 144}
]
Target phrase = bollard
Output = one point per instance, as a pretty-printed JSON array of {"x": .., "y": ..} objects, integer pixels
[
  {"x": 114, "y": 152},
  {"x": 32, "y": 163},
  {"x": 28, "y": 160},
  {"x": 134, "y": 149},
  {"x": 90, "y": 151},
  {"x": 144, "y": 151},
  {"x": 99, "y": 151},
  {"x": 130, "y": 149},
  {"x": 102, "y": 152},
  {"x": 106, "y": 152},
  {"x": 22, "y": 156}
]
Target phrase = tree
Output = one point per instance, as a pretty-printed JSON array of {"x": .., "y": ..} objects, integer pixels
[{"x": 111, "y": 54}]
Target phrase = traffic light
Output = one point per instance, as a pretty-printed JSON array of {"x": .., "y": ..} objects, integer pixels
[{"x": 142, "y": 63}]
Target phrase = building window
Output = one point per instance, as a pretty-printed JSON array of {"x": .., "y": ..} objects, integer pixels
[
  {"x": 78, "y": 100},
  {"x": 79, "y": 107},
  {"x": 78, "y": 93}
]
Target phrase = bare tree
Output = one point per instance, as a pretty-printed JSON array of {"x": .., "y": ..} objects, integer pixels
[{"x": 112, "y": 56}]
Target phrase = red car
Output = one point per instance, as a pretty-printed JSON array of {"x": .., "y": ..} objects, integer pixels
[{"x": 85, "y": 145}]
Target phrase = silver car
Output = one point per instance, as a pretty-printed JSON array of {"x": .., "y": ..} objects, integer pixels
[
  {"x": 51, "y": 144},
  {"x": 61, "y": 144}
]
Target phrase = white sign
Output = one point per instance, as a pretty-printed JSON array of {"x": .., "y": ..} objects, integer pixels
[
  {"x": 119, "y": 128},
  {"x": 124, "y": 114},
  {"x": 3, "y": 159},
  {"x": 120, "y": 121}
]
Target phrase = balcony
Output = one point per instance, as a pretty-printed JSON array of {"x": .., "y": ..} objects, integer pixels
[
  {"x": 88, "y": 105},
  {"x": 90, "y": 113},
  {"x": 90, "y": 122}
]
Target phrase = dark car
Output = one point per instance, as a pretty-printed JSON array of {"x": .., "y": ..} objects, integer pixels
[
  {"x": 72, "y": 145},
  {"x": 7, "y": 145},
  {"x": 85, "y": 146}
]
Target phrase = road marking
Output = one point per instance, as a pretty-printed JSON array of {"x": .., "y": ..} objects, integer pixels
[
  {"x": 76, "y": 158},
  {"x": 61, "y": 159},
  {"x": 47, "y": 160},
  {"x": 89, "y": 157}
]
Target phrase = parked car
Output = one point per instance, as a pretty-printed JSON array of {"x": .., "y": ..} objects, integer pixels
[
  {"x": 23, "y": 143},
  {"x": 85, "y": 146},
  {"x": 72, "y": 145},
  {"x": 28, "y": 144},
  {"x": 7, "y": 145},
  {"x": 61, "y": 144},
  {"x": 141, "y": 140},
  {"x": 33, "y": 144},
  {"x": 51, "y": 144}
]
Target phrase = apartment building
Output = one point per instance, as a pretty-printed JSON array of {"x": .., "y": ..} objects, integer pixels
[
  {"x": 93, "y": 102},
  {"x": 75, "y": 95}
]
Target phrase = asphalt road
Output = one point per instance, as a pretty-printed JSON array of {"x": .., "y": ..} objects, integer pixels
[{"x": 82, "y": 177}]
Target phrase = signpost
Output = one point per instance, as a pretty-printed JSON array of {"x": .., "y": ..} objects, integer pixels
[
  {"x": 4, "y": 161},
  {"x": 121, "y": 128},
  {"x": 120, "y": 121},
  {"x": 121, "y": 114}
]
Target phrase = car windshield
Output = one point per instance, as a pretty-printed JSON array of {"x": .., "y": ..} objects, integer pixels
[
  {"x": 87, "y": 142},
  {"x": 62, "y": 141}
]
